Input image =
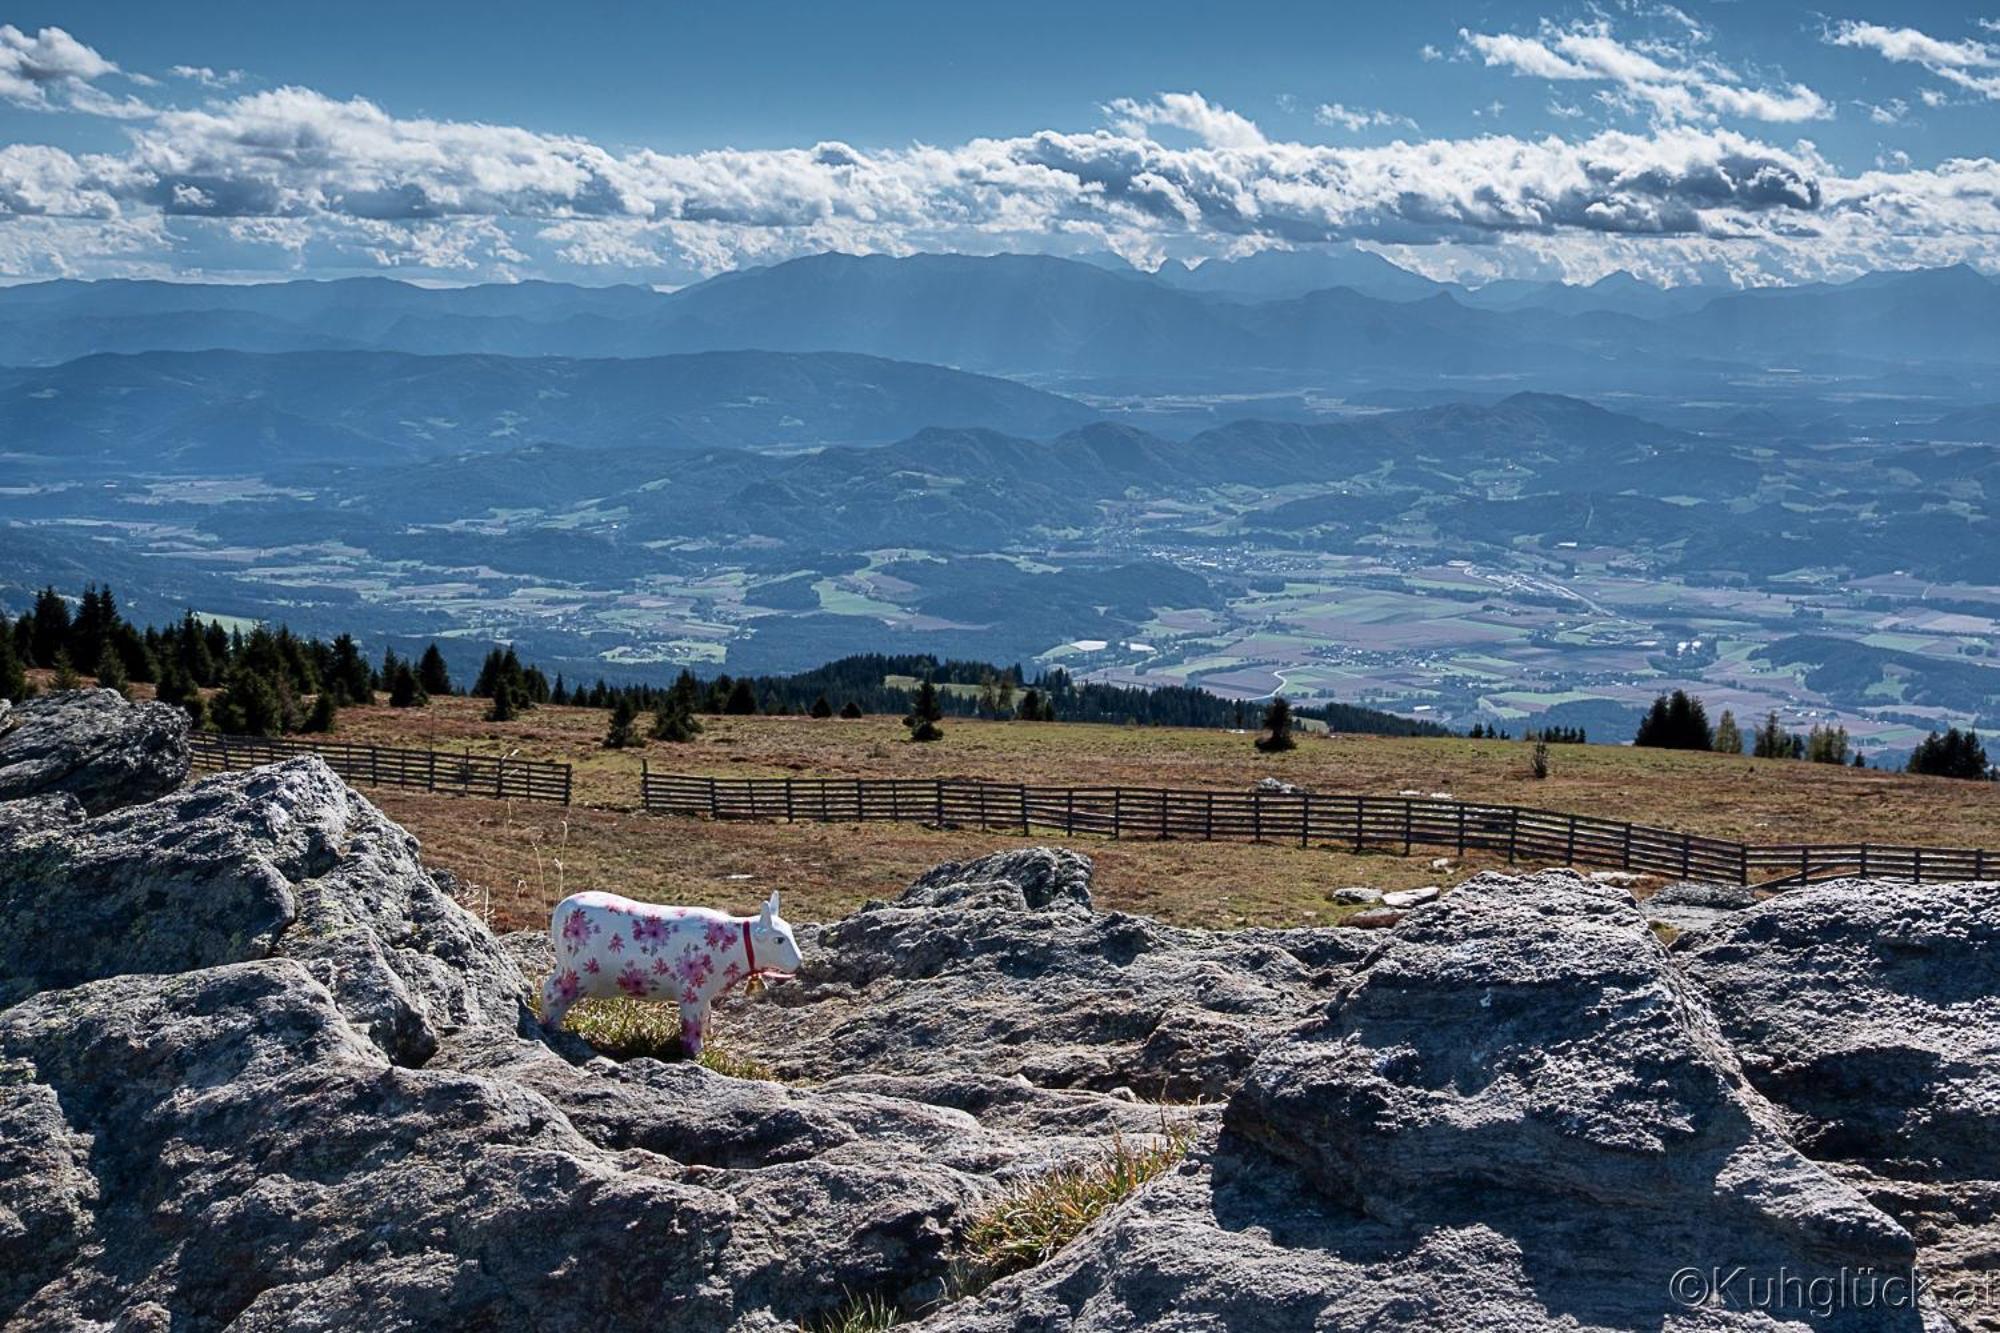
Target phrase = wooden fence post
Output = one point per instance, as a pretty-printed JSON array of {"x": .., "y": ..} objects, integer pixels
[
  {"x": 940, "y": 800},
  {"x": 1408, "y": 813},
  {"x": 1257, "y": 816},
  {"x": 1208, "y": 820},
  {"x": 1513, "y": 831},
  {"x": 1628, "y": 846},
  {"x": 1021, "y": 790},
  {"x": 1305, "y": 819},
  {"x": 1117, "y": 810},
  {"x": 1461, "y": 826},
  {"x": 1360, "y": 819},
  {"x": 1569, "y": 843},
  {"x": 1069, "y": 811}
]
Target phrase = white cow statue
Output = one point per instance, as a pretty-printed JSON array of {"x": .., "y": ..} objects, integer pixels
[{"x": 607, "y": 946}]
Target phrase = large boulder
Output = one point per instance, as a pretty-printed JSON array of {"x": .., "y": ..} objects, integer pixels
[
  {"x": 1870, "y": 1012},
  {"x": 1001, "y": 966},
  {"x": 258, "y": 1069},
  {"x": 1516, "y": 1116},
  {"x": 94, "y": 745},
  {"x": 278, "y": 861}
]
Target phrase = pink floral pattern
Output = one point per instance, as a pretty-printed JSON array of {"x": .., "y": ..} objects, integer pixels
[{"x": 689, "y": 955}]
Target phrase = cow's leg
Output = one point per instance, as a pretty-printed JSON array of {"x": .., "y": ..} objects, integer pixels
[
  {"x": 694, "y": 1026},
  {"x": 555, "y": 1005}
]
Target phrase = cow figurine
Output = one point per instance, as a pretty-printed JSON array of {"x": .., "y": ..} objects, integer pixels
[{"x": 607, "y": 946}]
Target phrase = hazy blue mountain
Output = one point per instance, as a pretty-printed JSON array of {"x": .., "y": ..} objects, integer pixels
[
  {"x": 1227, "y": 327},
  {"x": 232, "y": 411},
  {"x": 1286, "y": 274}
]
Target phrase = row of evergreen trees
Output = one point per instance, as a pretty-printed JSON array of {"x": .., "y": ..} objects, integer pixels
[
  {"x": 263, "y": 683},
  {"x": 1679, "y": 721}
]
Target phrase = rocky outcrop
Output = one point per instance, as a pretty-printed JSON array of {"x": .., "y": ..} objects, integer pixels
[
  {"x": 1870, "y": 1013},
  {"x": 1002, "y": 967},
  {"x": 258, "y": 1069},
  {"x": 93, "y": 745}
]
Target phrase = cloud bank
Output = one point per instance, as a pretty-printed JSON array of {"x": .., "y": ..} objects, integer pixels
[{"x": 296, "y": 179}]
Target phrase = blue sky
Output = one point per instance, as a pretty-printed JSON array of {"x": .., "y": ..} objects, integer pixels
[{"x": 458, "y": 142}]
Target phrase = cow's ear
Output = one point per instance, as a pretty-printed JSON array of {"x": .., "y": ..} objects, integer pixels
[{"x": 771, "y": 906}]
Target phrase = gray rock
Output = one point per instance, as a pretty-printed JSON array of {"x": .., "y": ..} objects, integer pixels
[
  {"x": 1358, "y": 895},
  {"x": 1870, "y": 1011},
  {"x": 94, "y": 745},
  {"x": 1411, "y": 897},
  {"x": 1688, "y": 905},
  {"x": 285, "y": 860},
  {"x": 1374, "y": 918},
  {"x": 1001, "y": 967},
  {"x": 1514, "y": 1116}
]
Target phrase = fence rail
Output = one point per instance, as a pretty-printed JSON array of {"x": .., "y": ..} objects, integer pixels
[
  {"x": 386, "y": 766},
  {"x": 1359, "y": 822}
]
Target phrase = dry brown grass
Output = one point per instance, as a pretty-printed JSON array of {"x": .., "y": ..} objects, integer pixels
[
  {"x": 1724, "y": 796},
  {"x": 522, "y": 857}
]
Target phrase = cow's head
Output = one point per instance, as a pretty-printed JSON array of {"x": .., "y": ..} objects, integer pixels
[{"x": 777, "y": 951}]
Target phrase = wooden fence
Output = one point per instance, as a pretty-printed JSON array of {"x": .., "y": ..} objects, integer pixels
[
  {"x": 385, "y": 766},
  {"x": 1360, "y": 822}
]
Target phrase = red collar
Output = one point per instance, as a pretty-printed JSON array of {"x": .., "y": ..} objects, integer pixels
[{"x": 749, "y": 954}]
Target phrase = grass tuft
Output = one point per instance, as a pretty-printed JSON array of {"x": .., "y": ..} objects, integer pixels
[
  {"x": 860, "y": 1314},
  {"x": 625, "y": 1029},
  {"x": 1029, "y": 1225}
]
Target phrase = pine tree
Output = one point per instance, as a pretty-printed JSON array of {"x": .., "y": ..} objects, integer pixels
[
  {"x": 851, "y": 710},
  {"x": 622, "y": 732},
  {"x": 1954, "y": 754},
  {"x": 432, "y": 673},
  {"x": 503, "y": 708},
  {"x": 925, "y": 714},
  {"x": 66, "y": 674},
  {"x": 1676, "y": 722},
  {"x": 1031, "y": 706},
  {"x": 51, "y": 629},
  {"x": 1728, "y": 737},
  {"x": 742, "y": 700},
  {"x": 321, "y": 719},
  {"x": 111, "y": 675},
  {"x": 351, "y": 678},
  {"x": 674, "y": 720},
  {"x": 404, "y": 691},
  {"x": 1773, "y": 741},
  {"x": 249, "y": 704},
  {"x": 13, "y": 675},
  {"x": 821, "y": 708},
  {"x": 1277, "y": 727}
]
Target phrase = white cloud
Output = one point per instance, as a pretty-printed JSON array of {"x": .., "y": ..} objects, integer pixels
[
  {"x": 35, "y": 69},
  {"x": 1429, "y": 52},
  {"x": 294, "y": 180},
  {"x": 1892, "y": 112},
  {"x": 1216, "y": 126},
  {"x": 1360, "y": 118},
  {"x": 1655, "y": 74},
  {"x": 206, "y": 77},
  {"x": 1952, "y": 60}
]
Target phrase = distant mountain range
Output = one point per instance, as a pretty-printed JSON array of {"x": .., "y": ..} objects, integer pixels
[
  {"x": 222, "y": 411},
  {"x": 1345, "y": 320}
]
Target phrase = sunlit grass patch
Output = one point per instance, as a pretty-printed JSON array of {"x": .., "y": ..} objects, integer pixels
[
  {"x": 1029, "y": 1225},
  {"x": 626, "y": 1029},
  {"x": 860, "y": 1314}
]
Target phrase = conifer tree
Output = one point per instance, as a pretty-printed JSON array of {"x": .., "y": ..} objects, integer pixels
[
  {"x": 503, "y": 708},
  {"x": 404, "y": 690},
  {"x": 674, "y": 720},
  {"x": 1728, "y": 736},
  {"x": 13, "y": 675},
  {"x": 821, "y": 708},
  {"x": 1277, "y": 727},
  {"x": 1031, "y": 706},
  {"x": 66, "y": 673},
  {"x": 851, "y": 710},
  {"x": 321, "y": 718},
  {"x": 742, "y": 700},
  {"x": 111, "y": 675},
  {"x": 50, "y": 635},
  {"x": 623, "y": 733},
  {"x": 925, "y": 714},
  {"x": 432, "y": 674}
]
